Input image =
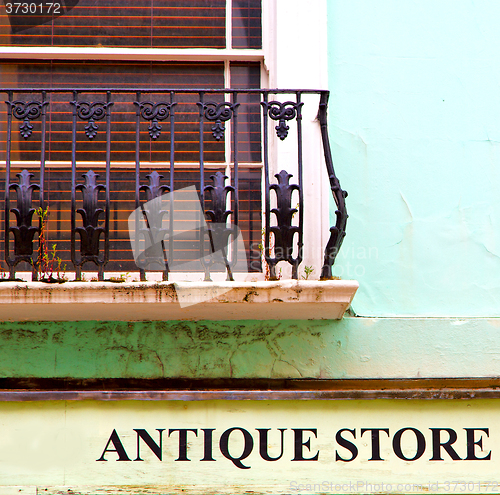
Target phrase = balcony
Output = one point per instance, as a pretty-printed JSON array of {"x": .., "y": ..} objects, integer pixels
[{"x": 92, "y": 181}]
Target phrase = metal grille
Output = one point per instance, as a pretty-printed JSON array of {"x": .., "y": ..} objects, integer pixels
[{"x": 221, "y": 187}]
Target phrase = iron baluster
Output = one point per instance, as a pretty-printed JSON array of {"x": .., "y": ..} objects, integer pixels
[
  {"x": 235, "y": 216},
  {"x": 300, "y": 241},
  {"x": 206, "y": 266},
  {"x": 23, "y": 232},
  {"x": 7, "y": 188},
  {"x": 219, "y": 232},
  {"x": 152, "y": 112},
  {"x": 172, "y": 169},
  {"x": 220, "y": 113},
  {"x": 76, "y": 263},
  {"x": 142, "y": 272},
  {"x": 154, "y": 220},
  {"x": 105, "y": 259},
  {"x": 267, "y": 232},
  {"x": 284, "y": 231},
  {"x": 337, "y": 232},
  {"x": 43, "y": 147},
  {"x": 42, "y": 176},
  {"x": 90, "y": 232}
]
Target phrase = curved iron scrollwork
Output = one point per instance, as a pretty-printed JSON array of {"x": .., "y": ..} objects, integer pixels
[
  {"x": 219, "y": 232},
  {"x": 282, "y": 112},
  {"x": 90, "y": 232},
  {"x": 284, "y": 231},
  {"x": 337, "y": 232},
  {"x": 91, "y": 112},
  {"x": 26, "y": 111},
  {"x": 23, "y": 232},
  {"x": 218, "y": 113},
  {"x": 154, "y": 112}
]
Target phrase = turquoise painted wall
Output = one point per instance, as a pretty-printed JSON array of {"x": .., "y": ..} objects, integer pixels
[
  {"x": 415, "y": 129},
  {"x": 351, "y": 348}
]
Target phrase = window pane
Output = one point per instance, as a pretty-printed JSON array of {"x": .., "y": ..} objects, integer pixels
[
  {"x": 41, "y": 74},
  {"x": 247, "y": 76},
  {"x": 247, "y": 24},
  {"x": 121, "y": 23}
]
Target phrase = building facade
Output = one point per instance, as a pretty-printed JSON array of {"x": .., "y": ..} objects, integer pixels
[{"x": 258, "y": 385}]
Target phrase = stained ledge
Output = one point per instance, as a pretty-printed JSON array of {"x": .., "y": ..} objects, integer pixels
[{"x": 153, "y": 301}]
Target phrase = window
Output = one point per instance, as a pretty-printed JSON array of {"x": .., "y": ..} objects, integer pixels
[{"x": 133, "y": 45}]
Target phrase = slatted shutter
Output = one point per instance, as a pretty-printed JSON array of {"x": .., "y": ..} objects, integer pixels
[{"x": 121, "y": 23}]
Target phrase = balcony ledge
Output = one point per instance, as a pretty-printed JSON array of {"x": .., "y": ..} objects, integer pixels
[{"x": 154, "y": 301}]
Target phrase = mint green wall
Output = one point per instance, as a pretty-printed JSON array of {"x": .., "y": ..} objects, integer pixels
[
  {"x": 415, "y": 128},
  {"x": 351, "y": 348}
]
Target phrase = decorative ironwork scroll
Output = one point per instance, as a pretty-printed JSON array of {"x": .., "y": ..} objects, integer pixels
[
  {"x": 26, "y": 111},
  {"x": 91, "y": 112},
  {"x": 282, "y": 112},
  {"x": 218, "y": 113},
  {"x": 154, "y": 112}
]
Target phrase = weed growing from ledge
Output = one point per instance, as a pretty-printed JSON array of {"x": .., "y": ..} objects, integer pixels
[
  {"x": 308, "y": 271},
  {"x": 48, "y": 265},
  {"x": 122, "y": 278}
]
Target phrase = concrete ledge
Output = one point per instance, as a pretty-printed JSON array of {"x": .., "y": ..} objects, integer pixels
[{"x": 143, "y": 301}]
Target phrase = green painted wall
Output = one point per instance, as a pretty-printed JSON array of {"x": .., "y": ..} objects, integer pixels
[
  {"x": 352, "y": 348},
  {"x": 415, "y": 129}
]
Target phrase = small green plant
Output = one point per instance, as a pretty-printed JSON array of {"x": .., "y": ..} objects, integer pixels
[
  {"x": 122, "y": 278},
  {"x": 48, "y": 265},
  {"x": 307, "y": 270}
]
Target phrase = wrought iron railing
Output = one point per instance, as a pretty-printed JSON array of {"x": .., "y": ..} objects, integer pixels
[{"x": 206, "y": 116}]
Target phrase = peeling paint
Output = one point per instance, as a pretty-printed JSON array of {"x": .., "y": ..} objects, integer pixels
[{"x": 350, "y": 348}]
